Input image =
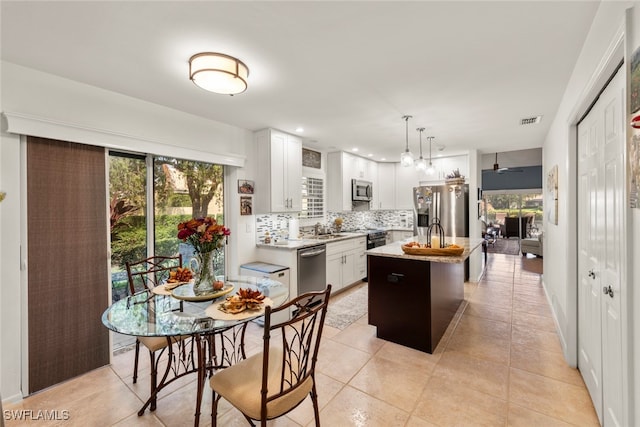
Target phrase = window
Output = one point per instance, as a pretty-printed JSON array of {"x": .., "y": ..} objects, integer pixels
[
  {"x": 181, "y": 190},
  {"x": 312, "y": 198}
]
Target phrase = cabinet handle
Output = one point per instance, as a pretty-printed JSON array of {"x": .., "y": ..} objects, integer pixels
[
  {"x": 607, "y": 290},
  {"x": 395, "y": 278},
  {"x": 592, "y": 274}
]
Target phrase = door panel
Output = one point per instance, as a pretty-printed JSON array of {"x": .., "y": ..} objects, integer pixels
[
  {"x": 600, "y": 236},
  {"x": 67, "y": 261}
]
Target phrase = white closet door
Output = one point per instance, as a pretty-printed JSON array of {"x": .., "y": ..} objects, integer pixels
[{"x": 600, "y": 205}]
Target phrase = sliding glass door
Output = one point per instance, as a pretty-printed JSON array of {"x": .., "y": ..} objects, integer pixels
[
  {"x": 149, "y": 196},
  {"x": 526, "y": 207}
]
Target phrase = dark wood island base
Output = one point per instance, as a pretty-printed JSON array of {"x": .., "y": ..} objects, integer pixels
[
  {"x": 412, "y": 302},
  {"x": 413, "y": 298}
]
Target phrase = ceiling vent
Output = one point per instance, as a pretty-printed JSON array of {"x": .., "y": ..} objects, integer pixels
[{"x": 530, "y": 120}]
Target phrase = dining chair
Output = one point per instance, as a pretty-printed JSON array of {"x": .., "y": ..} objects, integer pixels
[
  {"x": 145, "y": 275},
  {"x": 268, "y": 385}
]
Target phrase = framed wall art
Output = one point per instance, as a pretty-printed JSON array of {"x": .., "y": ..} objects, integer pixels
[
  {"x": 245, "y": 186},
  {"x": 311, "y": 159},
  {"x": 551, "y": 204},
  {"x": 246, "y": 205}
]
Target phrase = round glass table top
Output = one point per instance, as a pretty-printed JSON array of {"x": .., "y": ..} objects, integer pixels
[{"x": 152, "y": 315}]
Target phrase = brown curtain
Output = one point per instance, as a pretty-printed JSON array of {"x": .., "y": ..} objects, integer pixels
[{"x": 67, "y": 260}]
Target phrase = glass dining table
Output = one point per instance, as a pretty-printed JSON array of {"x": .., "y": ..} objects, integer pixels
[{"x": 201, "y": 338}]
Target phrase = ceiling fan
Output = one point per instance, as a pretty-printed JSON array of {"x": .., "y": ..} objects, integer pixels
[{"x": 498, "y": 169}]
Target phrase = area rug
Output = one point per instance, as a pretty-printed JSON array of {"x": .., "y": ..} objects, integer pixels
[
  {"x": 348, "y": 308},
  {"x": 504, "y": 246}
]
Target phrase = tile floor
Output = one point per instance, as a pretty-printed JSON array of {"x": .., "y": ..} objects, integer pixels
[{"x": 499, "y": 364}]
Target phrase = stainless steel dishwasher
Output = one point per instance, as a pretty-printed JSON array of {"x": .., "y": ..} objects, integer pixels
[{"x": 312, "y": 269}]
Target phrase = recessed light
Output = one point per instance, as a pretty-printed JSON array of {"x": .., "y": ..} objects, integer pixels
[
  {"x": 299, "y": 129},
  {"x": 383, "y": 159},
  {"x": 370, "y": 155},
  {"x": 354, "y": 149}
]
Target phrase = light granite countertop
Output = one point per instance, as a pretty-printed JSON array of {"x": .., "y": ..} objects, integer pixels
[
  {"x": 394, "y": 250},
  {"x": 305, "y": 243}
]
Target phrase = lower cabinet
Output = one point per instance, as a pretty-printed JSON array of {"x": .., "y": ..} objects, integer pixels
[{"x": 346, "y": 262}]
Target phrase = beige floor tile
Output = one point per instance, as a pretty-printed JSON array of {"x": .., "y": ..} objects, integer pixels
[
  {"x": 447, "y": 403},
  {"x": 421, "y": 361},
  {"x": 553, "y": 398},
  {"x": 339, "y": 361},
  {"x": 362, "y": 337},
  {"x": 99, "y": 396},
  {"x": 546, "y": 363},
  {"x": 528, "y": 307},
  {"x": 419, "y": 422},
  {"x": 522, "y": 417},
  {"x": 352, "y": 407},
  {"x": 484, "y": 347},
  {"x": 529, "y": 320},
  {"x": 486, "y": 327},
  {"x": 395, "y": 383},
  {"x": 535, "y": 338},
  {"x": 488, "y": 312},
  {"x": 475, "y": 373},
  {"x": 147, "y": 420},
  {"x": 327, "y": 389}
]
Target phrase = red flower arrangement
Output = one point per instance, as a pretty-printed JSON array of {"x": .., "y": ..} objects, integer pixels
[{"x": 204, "y": 234}]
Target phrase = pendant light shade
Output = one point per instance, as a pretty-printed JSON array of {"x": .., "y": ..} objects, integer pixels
[
  {"x": 421, "y": 163},
  {"x": 430, "y": 169},
  {"x": 406, "y": 158},
  {"x": 218, "y": 73}
]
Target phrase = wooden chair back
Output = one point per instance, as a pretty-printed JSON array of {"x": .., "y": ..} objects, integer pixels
[{"x": 151, "y": 272}]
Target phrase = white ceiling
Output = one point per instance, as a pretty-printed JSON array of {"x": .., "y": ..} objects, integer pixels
[{"x": 344, "y": 71}]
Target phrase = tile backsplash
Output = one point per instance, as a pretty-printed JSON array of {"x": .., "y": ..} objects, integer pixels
[{"x": 278, "y": 224}]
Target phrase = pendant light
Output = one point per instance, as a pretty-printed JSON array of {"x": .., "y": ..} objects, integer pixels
[
  {"x": 406, "y": 158},
  {"x": 421, "y": 163},
  {"x": 430, "y": 169}
]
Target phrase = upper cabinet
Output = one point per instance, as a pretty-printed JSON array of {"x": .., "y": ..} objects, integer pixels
[
  {"x": 385, "y": 189},
  {"x": 444, "y": 166},
  {"x": 279, "y": 172},
  {"x": 341, "y": 169}
]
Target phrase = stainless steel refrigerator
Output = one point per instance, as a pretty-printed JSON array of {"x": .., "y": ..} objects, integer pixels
[{"x": 448, "y": 203}]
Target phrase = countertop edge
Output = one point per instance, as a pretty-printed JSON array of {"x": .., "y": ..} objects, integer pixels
[
  {"x": 394, "y": 250},
  {"x": 305, "y": 243}
]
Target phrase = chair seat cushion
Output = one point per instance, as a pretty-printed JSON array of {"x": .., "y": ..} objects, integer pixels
[
  {"x": 157, "y": 343},
  {"x": 240, "y": 385}
]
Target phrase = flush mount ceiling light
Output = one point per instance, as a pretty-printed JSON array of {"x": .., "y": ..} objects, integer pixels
[
  {"x": 421, "y": 163},
  {"x": 406, "y": 158},
  {"x": 218, "y": 73}
]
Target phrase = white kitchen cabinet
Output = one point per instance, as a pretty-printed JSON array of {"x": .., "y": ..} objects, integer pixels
[
  {"x": 384, "y": 187},
  {"x": 279, "y": 172},
  {"x": 346, "y": 262},
  {"x": 341, "y": 169},
  {"x": 406, "y": 179},
  {"x": 444, "y": 166}
]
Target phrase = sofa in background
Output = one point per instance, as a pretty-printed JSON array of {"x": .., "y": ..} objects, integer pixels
[{"x": 532, "y": 245}]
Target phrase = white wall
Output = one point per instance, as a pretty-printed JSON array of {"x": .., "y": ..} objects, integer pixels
[
  {"x": 633, "y": 226},
  {"x": 559, "y": 148},
  {"x": 512, "y": 159},
  {"x": 110, "y": 119}
]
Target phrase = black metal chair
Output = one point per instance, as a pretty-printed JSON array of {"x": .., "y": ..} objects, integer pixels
[
  {"x": 272, "y": 383},
  {"x": 144, "y": 275}
]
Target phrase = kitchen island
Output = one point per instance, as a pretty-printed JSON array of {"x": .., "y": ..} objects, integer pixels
[{"x": 413, "y": 298}]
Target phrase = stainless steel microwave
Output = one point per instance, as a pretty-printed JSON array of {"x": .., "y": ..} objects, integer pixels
[{"x": 361, "y": 190}]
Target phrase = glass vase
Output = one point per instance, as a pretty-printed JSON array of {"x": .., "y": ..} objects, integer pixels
[{"x": 203, "y": 268}]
